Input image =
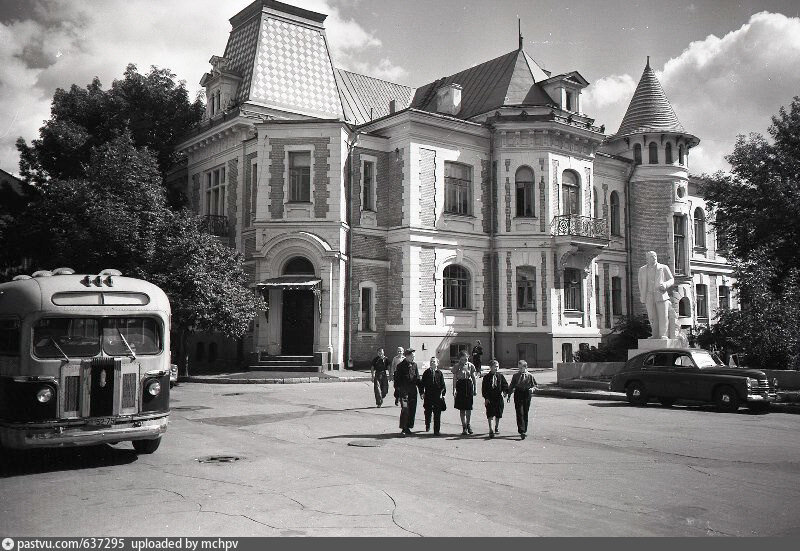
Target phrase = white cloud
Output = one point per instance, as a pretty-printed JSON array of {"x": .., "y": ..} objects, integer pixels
[
  {"x": 67, "y": 42},
  {"x": 719, "y": 87}
]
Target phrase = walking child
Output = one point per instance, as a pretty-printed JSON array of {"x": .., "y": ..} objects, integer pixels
[
  {"x": 493, "y": 388},
  {"x": 464, "y": 388},
  {"x": 522, "y": 386}
]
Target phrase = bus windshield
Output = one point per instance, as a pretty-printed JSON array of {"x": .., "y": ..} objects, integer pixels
[{"x": 81, "y": 337}]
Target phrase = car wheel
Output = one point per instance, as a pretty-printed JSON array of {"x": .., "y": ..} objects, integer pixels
[
  {"x": 758, "y": 407},
  {"x": 146, "y": 446},
  {"x": 726, "y": 399},
  {"x": 667, "y": 402},
  {"x": 636, "y": 394}
]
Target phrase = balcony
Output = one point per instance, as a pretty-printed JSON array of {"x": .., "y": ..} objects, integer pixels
[
  {"x": 215, "y": 225},
  {"x": 578, "y": 239}
]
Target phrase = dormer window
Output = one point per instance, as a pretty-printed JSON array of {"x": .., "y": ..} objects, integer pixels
[
  {"x": 448, "y": 99},
  {"x": 221, "y": 86},
  {"x": 569, "y": 101}
]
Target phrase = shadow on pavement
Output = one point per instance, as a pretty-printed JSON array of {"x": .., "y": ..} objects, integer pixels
[{"x": 24, "y": 462}]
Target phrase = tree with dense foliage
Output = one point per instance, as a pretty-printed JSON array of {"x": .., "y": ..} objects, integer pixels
[
  {"x": 116, "y": 216},
  {"x": 153, "y": 108},
  {"x": 757, "y": 208}
]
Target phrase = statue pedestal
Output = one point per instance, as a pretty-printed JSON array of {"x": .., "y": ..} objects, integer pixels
[{"x": 653, "y": 344}]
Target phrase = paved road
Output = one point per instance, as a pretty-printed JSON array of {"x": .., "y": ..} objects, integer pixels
[{"x": 320, "y": 459}]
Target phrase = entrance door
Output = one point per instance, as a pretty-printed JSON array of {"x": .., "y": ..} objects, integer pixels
[{"x": 297, "y": 323}]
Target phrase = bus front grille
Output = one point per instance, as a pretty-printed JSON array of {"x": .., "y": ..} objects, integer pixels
[
  {"x": 129, "y": 390},
  {"x": 102, "y": 376},
  {"x": 72, "y": 387}
]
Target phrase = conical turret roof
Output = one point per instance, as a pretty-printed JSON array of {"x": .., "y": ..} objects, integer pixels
[{"x": 649, "y": 110}]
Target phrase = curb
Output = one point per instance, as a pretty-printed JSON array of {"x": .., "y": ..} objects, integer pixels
[{"x": 273, "y": 381}]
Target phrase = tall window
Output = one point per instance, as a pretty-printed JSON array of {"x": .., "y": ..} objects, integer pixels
[
  {"x": 253, "y": 191},
  {"x": 570, "y": 193},
  {"x": 300, "y": 176},
  {"x": 699, "y": 228},
  {"x": 525, "y": 192},
  {"x": 637, "y": 153},
  {"x": 615, "y": 225},
  {"x": 526, "y": 288},
  {"x": 616, "y": 296},
  {"x": 216, "y": 191},
  {"x": 457, "y": 188},
  {"x": 719, "y": 231},
  {"x": 680, "y": 155},
  {"x": 702, "y": 300},
  {"x": 679, "y": 243},
  {"x": 724, "y": 297},
  {"x": 367, "y": 309},
  {"x": 456, "y": 287},
  {"x": 668, "y": 153},
  {"x": 595, "y": 203},
  {"x": 597, "y": 292},
  {"x": 369, "y": 186},
  {"x": 569, "y": 102},
  {"x": 684, "y": 307},
  {"x": 572, "y": 290},
  {"x": 653, "y": 153}
]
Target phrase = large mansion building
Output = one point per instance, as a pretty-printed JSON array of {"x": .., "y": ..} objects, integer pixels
[{"x": 483, "y": 206}]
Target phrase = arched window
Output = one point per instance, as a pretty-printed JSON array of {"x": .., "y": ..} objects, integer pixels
[
  {"x": 615, "y": 226},
  {"x": 684, "y": 307},
  {"x": 570, "y": 193},
  {"x": 299, "y": 266},
  {"x": 719, "y": 231},
  {"x": 668, "y": 153},
  {"x": 525, "y": 192},
  {"x": 653, "y": 153},
  {"x": 456, "y": 287},
  {"x": 596, "y": 203},
  {"x": 637, "y": 153},
  {"x": 699, "y": 228},
  {"x": 680, "y": 155}
]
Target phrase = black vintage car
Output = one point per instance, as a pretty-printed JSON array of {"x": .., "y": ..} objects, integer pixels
[{"x": 674, "y": 374}]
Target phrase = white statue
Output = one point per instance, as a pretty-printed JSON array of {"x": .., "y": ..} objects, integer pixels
[{"x": 654, "y": 281}]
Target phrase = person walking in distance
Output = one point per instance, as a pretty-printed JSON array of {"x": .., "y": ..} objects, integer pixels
[
  {"x": 398, "y": 357},
  {"x": 522, "y": 386},
  {"x": 464, "y": 388},
  {"x": 477, "y": 352},
  {"x": 432, "y": 388},
  {"x": 406, "y": 381},
  {"x": 380, "y": 376},
  {"x": 492, "y": 389}
]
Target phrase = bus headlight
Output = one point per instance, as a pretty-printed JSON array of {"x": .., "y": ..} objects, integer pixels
[
  {"x": 154, "y": 388},
  {"x": 44, "y": 395}
]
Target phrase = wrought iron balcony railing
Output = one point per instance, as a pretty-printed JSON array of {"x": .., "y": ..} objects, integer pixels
[
  {"x": 584, "y": 226},
  {"x": 215, "y": 225}
]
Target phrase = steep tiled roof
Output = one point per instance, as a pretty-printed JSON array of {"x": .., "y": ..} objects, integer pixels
[
  {"x": 649, "y": 110},
  {"x": 241, "y": 53},
  {"x": 366, "y": 98},
  {"x": 507, "y": 80}
]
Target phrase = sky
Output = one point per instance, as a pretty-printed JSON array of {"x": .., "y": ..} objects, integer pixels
[{"x": 726, "y": 66}]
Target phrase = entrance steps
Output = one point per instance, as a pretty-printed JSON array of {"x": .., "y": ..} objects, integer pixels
[{"x": 284, "y": 363}]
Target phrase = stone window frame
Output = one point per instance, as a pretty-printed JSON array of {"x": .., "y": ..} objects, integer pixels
[
  {"x": 616, "y": 296},
  {"x": 209, "y": 186},
  {"x": 699, "y": 225},
  {"x": 467, "y": 292},
  {"x": 702, "y": 300},
  {"x": 529, "y": 193},
  {"x": 578, "y": 187},
  {"x": 373, "y": 288},
  {"x": 531, "y": 307},
  {"x": 448, "y": 181},
  {"x": 307, "y": 148},
  {"x": 614, "y": 208},
  {"x": 578, "y": 291}
]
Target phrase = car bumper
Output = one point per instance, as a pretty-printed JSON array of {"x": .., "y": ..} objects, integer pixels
[
  {"x": 81, "y": 433},
  {"x": 761, "y": 397}
]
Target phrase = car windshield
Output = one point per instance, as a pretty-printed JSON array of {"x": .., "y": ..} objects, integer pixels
[{"x": 703, "y": 358}]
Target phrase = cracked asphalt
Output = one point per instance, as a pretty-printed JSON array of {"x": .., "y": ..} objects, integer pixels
[{"x": 321, "y": 460}]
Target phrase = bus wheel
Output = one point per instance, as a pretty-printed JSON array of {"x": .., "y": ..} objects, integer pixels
[{"x": 146, "y": 446}]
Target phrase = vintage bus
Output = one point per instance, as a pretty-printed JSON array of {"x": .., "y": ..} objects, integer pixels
[{"x": 84, "y": 359}]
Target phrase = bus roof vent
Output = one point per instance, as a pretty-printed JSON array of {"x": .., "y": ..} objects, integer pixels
[
  {"x": 20, "y": 277},
  {"x": 63, "y": 271},
  {"x": 42, "y": 273},
  {"x": 110, "y": 272}
]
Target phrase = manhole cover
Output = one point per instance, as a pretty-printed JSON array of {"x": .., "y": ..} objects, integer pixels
[
  {"x": 189, "y": 408},
  {"x": 366, "y": 443},
  {"x": 219, "y": 459},
  {"x": 233, "y": 394}
]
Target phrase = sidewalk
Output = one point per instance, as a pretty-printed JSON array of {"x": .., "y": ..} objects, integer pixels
[{"x": 545, "y": 378}]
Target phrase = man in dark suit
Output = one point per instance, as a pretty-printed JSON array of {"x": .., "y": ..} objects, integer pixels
[
  {"x": 406, "y": 380},
  {"x": 433, "y": 389}
]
